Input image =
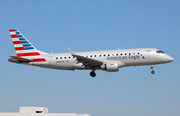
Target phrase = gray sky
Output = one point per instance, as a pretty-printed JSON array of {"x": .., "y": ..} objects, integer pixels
[{"x": 52, "y": 26}]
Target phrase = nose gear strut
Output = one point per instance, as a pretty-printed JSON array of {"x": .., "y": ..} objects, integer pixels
[{"x": 152, "y": 66}]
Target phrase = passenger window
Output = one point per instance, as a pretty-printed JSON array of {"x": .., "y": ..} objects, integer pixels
[
  {"x": 129, "y": 53},
  {"x": 116, "y": 54},
  {"x": 108, "y": 55},
  {"x": 104, "y": 55},
  {"x": 60, "y": 57},
  {"x": 112, "y": 54},
  {"x": 90, "y": 55},
  {"x": 69, "y": 57},
  {"x": 64, "y": 57},
  {"x": 86, "y": 56},
  {"x": 125, "y": 54},
  {"x": 99, "y": 55},
  {"x": 94, "y": 55},
  {"x": 138, "y": 53},
  {"x": 56, "y": 57},
  {"x": 121, "y": 54}
]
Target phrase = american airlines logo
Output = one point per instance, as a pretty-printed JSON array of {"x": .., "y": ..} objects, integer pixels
[{"x": 142, "y": 56}]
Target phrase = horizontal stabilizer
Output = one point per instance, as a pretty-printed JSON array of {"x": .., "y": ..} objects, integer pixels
[{"x": 20, "y": 58}]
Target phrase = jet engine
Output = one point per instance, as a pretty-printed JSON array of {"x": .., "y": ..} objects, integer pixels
[{"x": 110, "y": 67}]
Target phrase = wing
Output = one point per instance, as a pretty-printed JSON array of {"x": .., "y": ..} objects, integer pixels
[{"x": 87, "y": 62}]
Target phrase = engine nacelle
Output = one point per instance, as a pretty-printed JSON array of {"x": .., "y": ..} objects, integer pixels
[{"x": 110, "y": 67}]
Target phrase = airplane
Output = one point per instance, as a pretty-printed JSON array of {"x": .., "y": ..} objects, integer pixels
[{"x": 107, "y": 60}]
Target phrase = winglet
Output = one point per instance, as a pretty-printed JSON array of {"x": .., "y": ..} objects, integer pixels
[{"x": 72, "y": 53}]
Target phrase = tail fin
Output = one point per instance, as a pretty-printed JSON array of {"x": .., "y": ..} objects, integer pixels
[{"x": 22, "y": 46}]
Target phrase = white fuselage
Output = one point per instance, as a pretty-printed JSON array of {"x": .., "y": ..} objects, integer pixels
[{"x": 124, "y": 57}]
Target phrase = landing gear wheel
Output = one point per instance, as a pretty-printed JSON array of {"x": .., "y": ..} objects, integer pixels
[
  {"x": 152, "y": 72},
  {"x": 93, "y": 74}
]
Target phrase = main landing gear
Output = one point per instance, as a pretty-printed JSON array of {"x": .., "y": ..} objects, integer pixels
[
  {"x": 92, "y": 73},
  {"x": 152, "y": 72}
]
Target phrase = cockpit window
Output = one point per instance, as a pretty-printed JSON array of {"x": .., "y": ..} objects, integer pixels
[{"x": 159, "y": 51}]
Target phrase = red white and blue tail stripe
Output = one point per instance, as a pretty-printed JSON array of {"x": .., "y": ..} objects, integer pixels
[{"x": 24, "y": 48}]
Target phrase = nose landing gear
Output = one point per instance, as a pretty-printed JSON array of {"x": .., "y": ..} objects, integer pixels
[
  {"x": 152, "y": 72},
  {"x": 152, "y": 66}
]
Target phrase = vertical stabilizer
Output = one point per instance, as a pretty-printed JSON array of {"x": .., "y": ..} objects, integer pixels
[{"x": 24, "y": 48}]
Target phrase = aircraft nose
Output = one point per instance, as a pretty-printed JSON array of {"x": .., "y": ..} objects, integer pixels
[{"x": 170, "y": 59}]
